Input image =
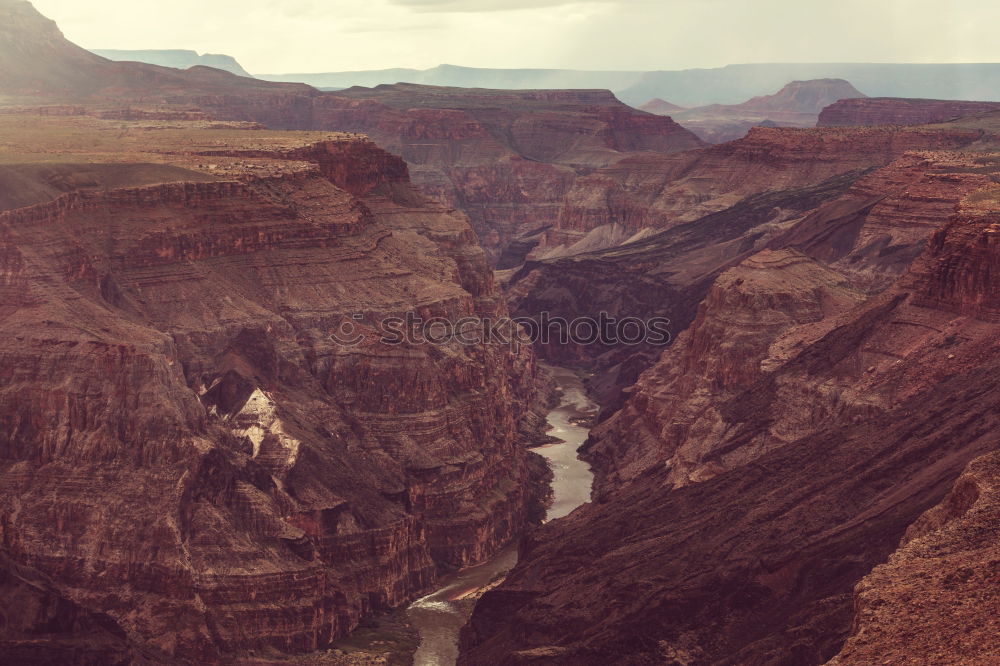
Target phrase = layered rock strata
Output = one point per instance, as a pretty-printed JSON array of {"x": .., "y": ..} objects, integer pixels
[
  {"x": 192, "y": 468},
  {"x": 660, "y": 191},
  {"x": 664, "y": 275},
  {"x": 927, "y": 603},
  {"x": 898, "y": 111},
  {"x": 506, "y": 158},
  {"x": 820, "y": 413},
  {"x": 868, "y": 224}
]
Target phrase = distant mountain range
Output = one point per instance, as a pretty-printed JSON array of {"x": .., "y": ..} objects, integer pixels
[
  {"x": 37, "y": 63},
  {"x": 179, "y": 58},
  {"x": 469, "y": 77},
  {"x": 732, "y": 84},
  {"x": 736, "y": 83},
  {"x": 798, "y": 104}
]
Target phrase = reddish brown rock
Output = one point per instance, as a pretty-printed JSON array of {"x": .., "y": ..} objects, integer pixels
[
  {"x": 661, "y": 191},
  {"x": 931, "y": 602},
  {"x": 841, "y": 428},
  {"x": 759, "y": 314},
  {"x": 506, "y": 158},
  {"x": 867, "y": 226},
  {"x": 962, "y": 276},
  {"x": 765, "y": 190},
  {"x": 192, "y": 468},
  {"x": 672, "y": 418},
  {"x": 898, "y": 111},
  {"x": 665, "y": 275}
]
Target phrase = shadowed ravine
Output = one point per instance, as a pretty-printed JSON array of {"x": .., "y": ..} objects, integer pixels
[{"x": 439, "y": 617}]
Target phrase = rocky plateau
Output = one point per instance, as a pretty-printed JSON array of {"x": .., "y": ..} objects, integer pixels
[{"x": 899, "y": 111}]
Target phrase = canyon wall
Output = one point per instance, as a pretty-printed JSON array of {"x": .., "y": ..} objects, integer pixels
[
  {"x": 831, "y": 389},
  {"x": 814, "y": 190},
  {"x": 898, "y": 111},
  {"x": 755, "y": 314},
  {"x": 660, "y": 191},
  {"x": 927, "y": 603},
  {"x": 505, "y": 158},
  {"x": 193, "y": 468},
  {"x": 664, "y": 275}
]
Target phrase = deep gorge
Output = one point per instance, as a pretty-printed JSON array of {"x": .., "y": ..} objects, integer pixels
[{"x": 211, "y": 454}]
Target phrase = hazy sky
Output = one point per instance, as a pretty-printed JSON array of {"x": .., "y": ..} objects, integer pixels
[{"x": 282, "y": 36}]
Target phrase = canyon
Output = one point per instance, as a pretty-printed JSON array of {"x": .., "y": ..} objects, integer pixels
[
  {"x": 193, "y": 468},
  {"x": 507, "y": 159},
  {"x": 776, "y": 188},
  {"x": 211, "y": 453},
  {"x": 831, "y": 397}
]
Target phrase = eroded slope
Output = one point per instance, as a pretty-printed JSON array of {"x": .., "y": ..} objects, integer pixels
[{"x": 192, "y": 467}]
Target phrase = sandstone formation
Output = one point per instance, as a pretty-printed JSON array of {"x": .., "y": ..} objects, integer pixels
[
  {"x": 898, "y": 111},
  {"x": 868, "y": 237},
  {"x": 664, "y": 275},
  {"x": 192, "y": 468},
  {"x": 798, "y": 104},
  {"x": 870, "y": 229},
  {"x": 820, "y": 404}
]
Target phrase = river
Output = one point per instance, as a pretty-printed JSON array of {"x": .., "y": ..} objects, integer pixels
[{"x": 440, "y": 616}]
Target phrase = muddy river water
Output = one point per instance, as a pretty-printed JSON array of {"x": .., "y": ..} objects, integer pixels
[{"x": 439, "y": 616}]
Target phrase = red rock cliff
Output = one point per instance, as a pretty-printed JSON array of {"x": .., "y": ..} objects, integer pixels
[
  {"x": 506, "y": 158},
  {"x": 898, "y": 111},
  {"x": 843, "y": 424},
  {"x": 191, "y": 467},
  {"x": 661, "y": 191}
]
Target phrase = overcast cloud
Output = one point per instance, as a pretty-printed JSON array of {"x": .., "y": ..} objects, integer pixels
[
  {"x": 280, "y": 36},
  {"x": 467, "y": 6}
]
